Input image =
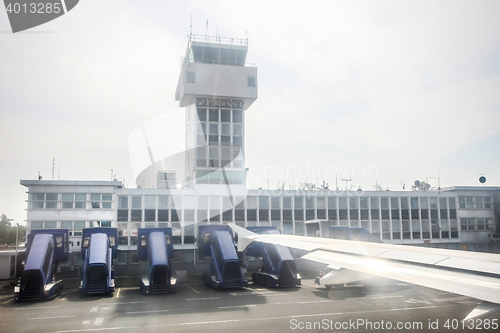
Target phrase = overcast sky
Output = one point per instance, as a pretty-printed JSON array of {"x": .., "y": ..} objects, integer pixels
[{"x": 375, "y": 91}]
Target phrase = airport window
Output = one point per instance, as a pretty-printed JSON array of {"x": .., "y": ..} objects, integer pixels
[
  {"x": 134, "y": 227},
  {"x": 364, "y": 214},
  {"x": 174, "y": 215},
  {"x": 100, "y": 200},
  {"x": 374, "y": 203},
  {"x": 414, "y": 202},
  {"x": 50, "y": 225},
  {"x": 321, "y": 214},
  {"x": 426, "y": 229},
  {"x": 342, "y": 214},
  {"x": 225, "y": 129},
  {"x": 433, "y": 202},
  {"x": 424, "y": 203},
  {"x": 264, "y": 202},
  {"x": 310, "y": 214},
  {"x": 353, "y": 203},
  {"x": 375, "y": 214},
  {"x": 363, "y": 202},
  {"x": 251, "y": 81},
  {"x": 213, "y": 115},
  {"x": 394, "y": 203},
  {"x": 202, "y": 128},
  {"x": 404, "y": 203},
  {"x": 225, "y": 116},
  {"x": 80, "y": 224},
  {"x": 405, "y": 214},
  {"x": 237, "y": 116},
  {"x": 251, "y": 202},
  {"x": 36, "y": 224},
  {"x": 136, "y": 202},
  {"x": 287, "y": 227},
  {"x": 287, "y": 202},
  {"x": 123, "y": 202},
  {"x": 342, "y": 202},
  {"x": 384, "y": 203},
  {"x": 239, "y": 215},
  {"x": 150, "y": 201},
  {"x": 237, "y": 130},
  {"x": 136, "y": 215},
  {"x": 122, "y": 233},
  {"x": 395, "y": 214},
  {"x": 251, "y": 214},
  {"x": 66, "y": 224},
  {"x": 414, "y": 214},
  {"x": 445, "y": 229},
  {"x": 452, "y": 203},
  {"x": 163, "y": 202},
  {"x": 149, "y": 215},
  {"x": 202, "y": 114},
  {"x": 122, "y": 215},
  {"x": 298, "y": 204},
  {"x": 134, "y": 258},
  {"x": 190, "y": 77},
  {"x": 444, "y": 213}
]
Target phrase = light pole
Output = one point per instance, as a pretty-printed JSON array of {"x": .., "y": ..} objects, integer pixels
[
  {"x": 15, "y": 260},
  {"x": 346, "y": 180}
]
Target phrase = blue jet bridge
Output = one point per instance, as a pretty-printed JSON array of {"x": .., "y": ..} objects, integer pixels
[
  {"x": 217, "y": 242},
  {"x": 278, "y": 265},
  {"x": 155, "y": 246},
  {"x": 99, "y": 248},
  {"x": 45, "y": 250}
]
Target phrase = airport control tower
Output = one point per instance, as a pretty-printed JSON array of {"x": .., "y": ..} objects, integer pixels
[{"x": 216, "y": 86}]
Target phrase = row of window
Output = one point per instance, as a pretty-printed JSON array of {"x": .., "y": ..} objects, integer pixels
[
  {"x": 474, "y": 202},
  {"x": 476, "y": 224},
  {"x": 75, "y": 227},
  {"x": 71, "y": 201},
  {"x": 277, "y": 202},
  {"x": 230, "y": 215},
  {"x": 219, "y": 102}
]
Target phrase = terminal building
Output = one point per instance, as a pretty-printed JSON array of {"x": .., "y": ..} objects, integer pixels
[{"x": 204, "y": 182}]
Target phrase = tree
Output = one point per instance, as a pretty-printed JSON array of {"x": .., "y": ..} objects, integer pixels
[
  {"x": 4, "y": 228},
  {"x": 8, "y": 231},
  {"x": 325, "y": 186},
  {"x": 308, "y": 186}
]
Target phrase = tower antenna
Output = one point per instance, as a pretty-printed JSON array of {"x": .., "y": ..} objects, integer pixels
[
  {"x": 206, "y": 31},
  {"x": 53, "y": 164},
  {"x": 191, "y": 25}
]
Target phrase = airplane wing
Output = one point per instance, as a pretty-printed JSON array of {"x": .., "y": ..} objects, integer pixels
[{"x": 471, "y": 274}]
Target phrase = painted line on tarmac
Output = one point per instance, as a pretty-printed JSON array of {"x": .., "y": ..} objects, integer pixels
[
  {"x": 98, "y": 321},
  {"x": 248, "y": 319},
  {"x": 66, "y": 297},
  {"x": 237, "y": 306},
  {"x": 55, "y": 317},
  {"x": 152, "y": 311},
  {"x": 10, "y": 300},
  {"x": 123, "y": 303},
  {"x": 200, "y": 299},
  {"x": 382, "y": 297},
  {"x": 192, "y": 288},
  {"x": 37, "y": 308},
  {"x": 118, "y": 293}
]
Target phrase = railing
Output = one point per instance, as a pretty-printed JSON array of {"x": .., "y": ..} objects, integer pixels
[{"x": 218, "y": 40}]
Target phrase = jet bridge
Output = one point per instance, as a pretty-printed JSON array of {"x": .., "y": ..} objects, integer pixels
[
  {"x": 216, "y": 241},
  {"x": 278, "y": 265},
  {"x": 99, "y": 248},
  {"x": 45, "y": 250},
  {"x": 155, "y": 246}
]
